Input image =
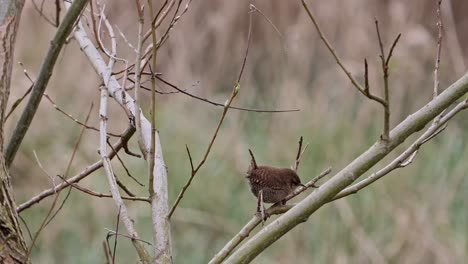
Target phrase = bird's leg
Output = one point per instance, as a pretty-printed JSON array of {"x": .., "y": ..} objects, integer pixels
[
  {"x": 259, "y": 197},
  {"x": 261, "y": 206}
]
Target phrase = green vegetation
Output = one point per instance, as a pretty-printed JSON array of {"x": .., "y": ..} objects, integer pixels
[{"x": 414, "y": 215}]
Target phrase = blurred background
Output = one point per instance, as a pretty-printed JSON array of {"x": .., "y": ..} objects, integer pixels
[{"x": 415, "y": 215}]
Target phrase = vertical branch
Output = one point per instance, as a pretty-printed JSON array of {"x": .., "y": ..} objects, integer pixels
[
  {"x": 300, "y": 153},
  {"x": 141, "y": 22},
  {"x": 385, "y": 62},
  {"x": 439, "y": 48},
  {"x": 158, "y": 174},
  {"x": 128, "y": 222},
  {"x": 153, "y": 102},
  {"x": 386, "y": 128}
]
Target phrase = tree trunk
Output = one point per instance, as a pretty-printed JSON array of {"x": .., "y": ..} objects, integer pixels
[{"x": 12, "y": 245}]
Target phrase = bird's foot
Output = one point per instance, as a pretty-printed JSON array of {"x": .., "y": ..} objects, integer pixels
[{"x": 263, "y": 215}]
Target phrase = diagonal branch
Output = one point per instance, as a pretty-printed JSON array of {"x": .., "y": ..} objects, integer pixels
[
  {"x": 234, "y": 93},
  {"x": 43, "y": 79},
  {"x": 332, "y": 50},
  {"x": 222, "y": 105}
]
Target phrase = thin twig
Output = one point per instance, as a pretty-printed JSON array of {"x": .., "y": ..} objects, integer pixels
[
  {"x": 332, "y": 50},
  {"x": 190, "y": 157},
  {"x": 222, "y": 105},
  {"x": 124, "y": 166},
  {"x": 385, "y": 62},
  {"x": 123, "y": 187},
  {"x": 115, "y": 239},
  {"x": 18, "y": 102},
  {"x": 102, "y": 195},
  {"x": 173, "y": 22},
  {"x": 56, "y": 107},
  {"x": 49, "y": 212},
  {"x": 50, "y": 215},
  {"x": 107, "y": 253},
  {"x": 160, "y": 17},
  {"x": 254, "y": 8},
  {"x": 83, "y": 174},
  {"x": 57, "y": 13},
  {"x": 207, "y": 152},
  {"x": 300, "y": 153},
  {"x": 439, "y": 48},
  {"x": 41, "y": 13},
  {"x": 67, "y": 170},
  {"x": 234, "y": 93},
  {"x": 138, "y": 79},
  {"x": 152, "y": 149},
  {"x": 129, "y": 237}
]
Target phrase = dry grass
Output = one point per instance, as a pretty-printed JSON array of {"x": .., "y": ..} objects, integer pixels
[{"x": 417, "y": 215}]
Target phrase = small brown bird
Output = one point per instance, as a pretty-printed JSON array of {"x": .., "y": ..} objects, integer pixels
[{"x": 271, "y": 184}]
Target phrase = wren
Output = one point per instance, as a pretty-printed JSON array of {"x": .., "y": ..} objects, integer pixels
[{"x": 271, "y": 184}]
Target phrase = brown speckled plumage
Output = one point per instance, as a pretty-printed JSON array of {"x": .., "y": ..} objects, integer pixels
[{"x": 276, "y": 183}]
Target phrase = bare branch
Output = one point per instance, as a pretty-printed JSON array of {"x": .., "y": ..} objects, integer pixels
[
  {"x": 219, "y": 104},
  {"x": 254, "y": 8},
  {"x": 129, "y": 237},
  {"x": 332, "y": 50},
  {"x": 50, "y": 215},
  {"x": 102, "y": 195},
  {"x": 73, "y": 118},
  {"x": 127, "y": 171},
  {"x": 138, "y": 79},
  {"x": 234, "y": 93},
  {"x": 67, "y": 170},
  {"x": 207, "y": 152},
  {"x": 385, "y": 62},
  {"x": 190, "y": 157},
  {"x": 439, "y": 48},
  {"x": 299, "y": 155}
]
